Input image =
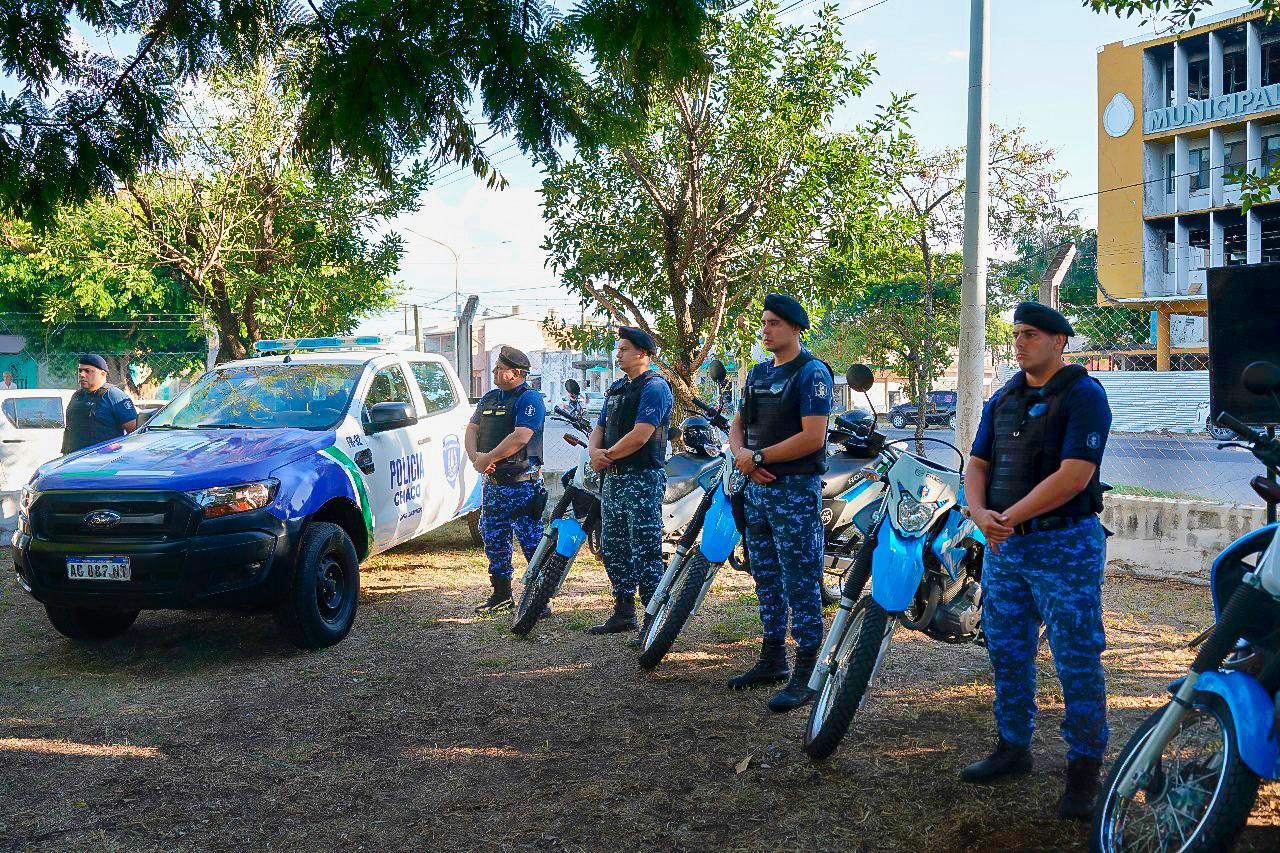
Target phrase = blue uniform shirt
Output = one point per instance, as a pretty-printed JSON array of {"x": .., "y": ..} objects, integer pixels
[
  {"x": 96, "y": 416},
  {"x": 531, "y": 412},
  {"x": 1088, "y": 423},
  {"x": 656, "y": 402},
  {"x": 813, "y": 383}
]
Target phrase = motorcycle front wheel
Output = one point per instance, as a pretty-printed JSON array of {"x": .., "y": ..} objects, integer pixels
[
  {"x": 543, "y": 583},
  {"x": 1197, "y": 796},
  {"x": 857, "y": 658},
  {"x": 675, "y": 611}
]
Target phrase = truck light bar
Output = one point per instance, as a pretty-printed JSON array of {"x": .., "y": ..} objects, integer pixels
[{"x": 350, "y": 342}]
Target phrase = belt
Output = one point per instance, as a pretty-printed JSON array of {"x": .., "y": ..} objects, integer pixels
[
  {"x": 620, "y": 469},
  {"x": 1043, "y": 523},
  {"x": 511, "y": 480}
]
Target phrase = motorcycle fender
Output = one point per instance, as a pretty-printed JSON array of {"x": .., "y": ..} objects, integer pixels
[
  {"x": 897, "y": 564},
  {"x": 569, "y": 536},
  {"x": 719, "y": 531},
  {"x": 1254, "y": 715}
]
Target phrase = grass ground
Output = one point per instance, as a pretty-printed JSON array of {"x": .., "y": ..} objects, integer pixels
[{"x": 429, "y": 728}]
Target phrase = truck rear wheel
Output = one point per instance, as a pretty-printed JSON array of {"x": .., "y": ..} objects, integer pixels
[
  {"x": 320, "y": 606},
  {"x": 473, "y": 525},
  {"x": 90, "y": 623}
]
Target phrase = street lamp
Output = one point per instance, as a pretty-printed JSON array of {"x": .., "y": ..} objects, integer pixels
[{"x": 457, "y": 307}]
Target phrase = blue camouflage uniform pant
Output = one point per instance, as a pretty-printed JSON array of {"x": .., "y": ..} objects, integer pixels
[
  {"x": 503, "y": 512},
  {"x": 1055, "y": 577},
  {"x": 784, "y": 545},
  {"x": 631, "y": 511}
]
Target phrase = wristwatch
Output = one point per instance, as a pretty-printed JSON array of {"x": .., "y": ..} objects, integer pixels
[{"x": 758, "y": 458}]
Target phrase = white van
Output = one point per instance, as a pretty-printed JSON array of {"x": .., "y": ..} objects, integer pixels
[{"x": 31, "y": 425}]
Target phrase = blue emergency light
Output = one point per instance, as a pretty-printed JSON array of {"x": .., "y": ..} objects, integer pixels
[{"x": 282, "y": 344}]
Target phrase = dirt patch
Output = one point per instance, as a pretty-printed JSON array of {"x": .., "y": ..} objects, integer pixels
[{"x": 429, "y": 728}]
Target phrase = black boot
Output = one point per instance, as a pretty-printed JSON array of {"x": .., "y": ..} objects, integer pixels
[
  {"x": 1007, "y": 760},
  {"x": 797, "y": 692},
  {"x": 771, "y": 668},
  {"x": 1082, "y": 789},
  {"x": 501, "y": 598},
  {"x": 623, "y": 618}
]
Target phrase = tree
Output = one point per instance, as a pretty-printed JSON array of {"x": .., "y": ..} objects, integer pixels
[
  {"x": 253, "y": 241},
  {"x": 917, "y": 281},
  {"x": 734, "y": 187},
  {"x": 381, "y": 80},
  {"x": 1180, "y": 13}
]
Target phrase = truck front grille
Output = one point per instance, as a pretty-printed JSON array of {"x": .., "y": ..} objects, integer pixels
[{"x": 142, "y": 516}]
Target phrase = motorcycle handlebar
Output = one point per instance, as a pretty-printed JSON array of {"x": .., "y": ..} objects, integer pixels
[{"x": 1239, "y": 427}]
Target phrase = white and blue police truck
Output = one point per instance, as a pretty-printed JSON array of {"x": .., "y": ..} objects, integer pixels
[{"x": 262, "y": 486}]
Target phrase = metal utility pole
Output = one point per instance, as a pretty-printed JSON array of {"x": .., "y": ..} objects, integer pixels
[
  {"x": 971, "y": 367},
  {"x": 417, "y": 330},
  {"x": 1051, "y": 281},
  {"x": 462, "y": 344}
]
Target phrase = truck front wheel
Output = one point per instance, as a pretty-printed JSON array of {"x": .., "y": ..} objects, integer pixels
[
  {"x": 320, "y": 606},
  {"x": 90, "y": 623}
]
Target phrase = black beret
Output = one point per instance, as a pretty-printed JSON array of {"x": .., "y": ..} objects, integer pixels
[
  {"x": 787, "y": 308},
  {"x": 94, "y": 360},
  {"x": 512, "y": 357},
  {"x": 638, "y": 337},
  {"x": 1043, "y": 318}
]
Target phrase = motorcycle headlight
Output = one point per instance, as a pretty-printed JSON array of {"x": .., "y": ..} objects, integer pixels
[
  {"x": 913, "y": 516},
  {"x": 220, "y": 501},
  {"x": 27, "y": 498},
  {"x": 677, "y": 489}
]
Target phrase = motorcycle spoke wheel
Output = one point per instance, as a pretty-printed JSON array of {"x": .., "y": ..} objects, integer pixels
[
  {"x": 855, "y": 663},
  {"x": 1195, "y": 797}
]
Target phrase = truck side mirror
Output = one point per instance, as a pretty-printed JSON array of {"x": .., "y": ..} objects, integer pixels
[
  {"x": 860, "y": 377},
  {"x": 388, "y": 416},
  {"x": 1261, "y": 377}
]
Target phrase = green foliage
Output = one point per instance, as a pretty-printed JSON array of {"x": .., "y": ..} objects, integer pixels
[
  {"x": 235, "y": 229},
  {"x": 381, "y": 80},
  {"x": 736, "y": 186},
  {"x": 1178, "y": 13}
]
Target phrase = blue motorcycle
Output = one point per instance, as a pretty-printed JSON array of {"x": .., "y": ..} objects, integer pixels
[
  {"x": 923, "y": 557},
  {"x": 1188, "y": 778}
]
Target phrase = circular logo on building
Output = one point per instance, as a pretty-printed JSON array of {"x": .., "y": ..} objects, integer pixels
[
  {"x": 452, "y": 458},
  {"x": 1118, "y": 117}
]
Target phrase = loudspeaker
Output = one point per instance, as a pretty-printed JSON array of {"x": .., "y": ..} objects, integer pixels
[{"x": 1244, "y": 327}]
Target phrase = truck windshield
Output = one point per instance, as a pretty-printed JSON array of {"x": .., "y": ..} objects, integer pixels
[{"x": 267, "y": 396}]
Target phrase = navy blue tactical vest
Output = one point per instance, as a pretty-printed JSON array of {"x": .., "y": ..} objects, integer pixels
[
  {"x": 497, "y": 421},
  {"x": 771, "y": 414},
  {"x": 621, "y": 405},
  {"x": 84, "y": 427},
  {"x": 1027, "y": 447}
]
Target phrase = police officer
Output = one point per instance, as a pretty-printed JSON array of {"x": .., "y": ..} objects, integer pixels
[
  {"x": 1032, "y": 484},
  {"x": 779, "y": 439},
  {"x": 504, "y": 443},
  {"x": 97, "y": 411},
  {"x": 629, "y": 444}
]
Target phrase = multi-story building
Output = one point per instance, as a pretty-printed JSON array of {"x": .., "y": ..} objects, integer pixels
[{"x": 1182, "y": 116}]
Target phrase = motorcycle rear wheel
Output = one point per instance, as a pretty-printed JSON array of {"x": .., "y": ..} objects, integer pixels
[
  {"x": 857, "y": 658},
  {"x": 673, "y": 613},
  {"x": 537, "y": 593},
  {"x": 1195, "y": 813}
]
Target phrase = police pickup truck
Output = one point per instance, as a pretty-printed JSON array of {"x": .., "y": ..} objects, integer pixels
[{"x": 262, "y": 486}]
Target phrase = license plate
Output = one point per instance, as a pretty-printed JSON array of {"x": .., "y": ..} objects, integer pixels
[{"x": 98, "y": 568}]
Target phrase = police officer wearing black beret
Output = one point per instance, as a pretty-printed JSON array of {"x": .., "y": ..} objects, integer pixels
[
  {"x": 1033, "y": 488},
  {"x": 97, "y": 411},
  {"x": 629, "y": 444},
  {"x": 504, "y": 443}
]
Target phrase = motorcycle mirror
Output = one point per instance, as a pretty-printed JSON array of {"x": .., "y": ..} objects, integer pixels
[
  {"x": 1261, "y": 377},
  {"x": 571, "y": 386},
  {"x": 860, "y": 377},
  {"x": 717, "y": 371}
]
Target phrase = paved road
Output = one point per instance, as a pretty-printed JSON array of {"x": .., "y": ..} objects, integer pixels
[{"x": 1178, "y": 466}]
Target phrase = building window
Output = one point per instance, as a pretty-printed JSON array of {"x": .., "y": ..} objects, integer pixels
[
  {"x": 1198, "y": 167},
  {"x": 1235, "y": 72},
  {"x": 1198, "y": 80},
  {"x": 1171, "y": 171},
  {"x": 1270, "y": 153},
  {"x": 1270, "y": 64},
  {"x": 1233, "y": 162},
  {"x": 1235, "y": 250},
  {"x": 1198, "y": 248},
  {"x": 1170, "y": 255}
]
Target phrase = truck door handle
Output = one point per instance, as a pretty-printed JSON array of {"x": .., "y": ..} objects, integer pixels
[{"x": 364, "y": 461}]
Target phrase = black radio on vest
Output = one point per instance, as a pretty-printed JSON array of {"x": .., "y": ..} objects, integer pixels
[
  {"x": 1028, "y": 426},
  {"x": 771, "y": 414},
  {"x": 621, "y": 406},
  {"x": 497, "y": 421}
]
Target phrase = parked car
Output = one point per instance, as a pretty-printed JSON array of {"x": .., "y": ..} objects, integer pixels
[
  {"x": 1218, "y": 433},
  {"x": 939, "y": 411},
  {"x": 31, "y": 425},
  {"x": 262, "y": 486},
  {"x": 594, "y": 401}
]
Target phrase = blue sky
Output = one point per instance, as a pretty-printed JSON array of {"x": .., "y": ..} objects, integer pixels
[{"x": 1043, "y": 69}]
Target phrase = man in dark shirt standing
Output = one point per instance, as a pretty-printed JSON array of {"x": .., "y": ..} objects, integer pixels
[
  {"x": 98, "y": 411},
  {"x": 1033, "y": 488}
]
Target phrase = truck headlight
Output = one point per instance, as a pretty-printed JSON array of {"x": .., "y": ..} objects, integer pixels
[
  {"x": 913, "y": 516},
  {"x": 26, "y": 499},
  {"x": 218, "y": 501}
]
